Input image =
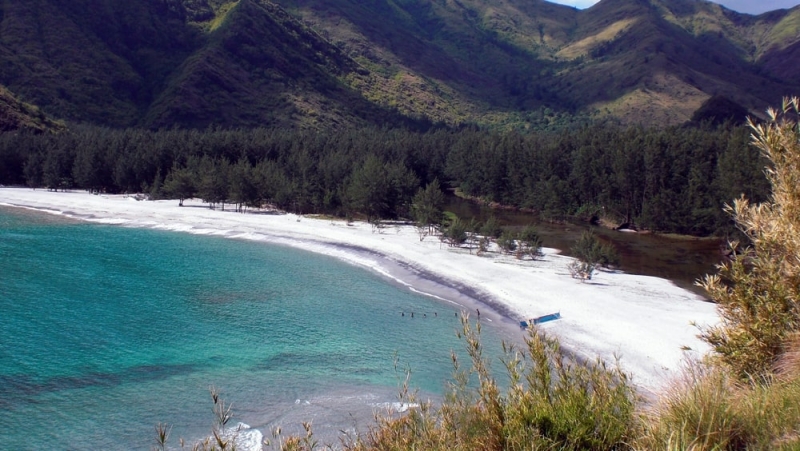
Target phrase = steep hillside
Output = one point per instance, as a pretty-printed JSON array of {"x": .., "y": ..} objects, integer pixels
[
  {"x": 158, "y": 63},
  {"x": 98, "y": 61},
  {"x": 260, "y": 67},
  {"x": 655, "y": 69},
  {"x": 323, "y": 63},
  {"x": 16, "y": 115},
  {"x": 637, "y": 60}
]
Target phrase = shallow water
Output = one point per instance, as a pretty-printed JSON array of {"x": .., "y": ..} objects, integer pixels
[{"x": 108, "y": 331}]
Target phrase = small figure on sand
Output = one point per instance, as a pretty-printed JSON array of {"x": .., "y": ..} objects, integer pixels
[
  {"x": 435, "y": 314},
  {"x": 412, "y": 314},
  {"x": 479, "y": 313},
  {"x": 402, "y": 313}
]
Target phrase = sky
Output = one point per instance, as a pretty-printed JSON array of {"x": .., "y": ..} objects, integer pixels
[{"x": 742, "y": 6}]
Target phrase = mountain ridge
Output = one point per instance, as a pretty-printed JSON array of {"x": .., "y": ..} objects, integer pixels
[{"x": 325, "y": 63}]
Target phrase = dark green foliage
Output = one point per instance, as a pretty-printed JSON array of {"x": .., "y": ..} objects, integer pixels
[
  {"x": 530, "y": 243},
  {"x": 369, "y": 189},
  {"x": 242, "y": 188},
  {"x": 213, "y": 181},
  {"x": 57, "y": 169},
  {"x": 427, "y": 205},
  {"x": 491, "y": 228},
  {"x": 454, "y": 232},
  {"x": 180, "y": 184},
  {"x": 590, "y": 249},
  {"x": 671, "y": 181},
  {"x": 507, "y": 242},
  {"x": 32, "y": 171}
]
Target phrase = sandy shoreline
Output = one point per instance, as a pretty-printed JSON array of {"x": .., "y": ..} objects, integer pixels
[{"x": 645, "y": 321}]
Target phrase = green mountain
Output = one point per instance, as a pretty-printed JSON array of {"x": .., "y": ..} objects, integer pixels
[
  {"x": 16, "y": 115},
  {"x": 325, "y": 63}
]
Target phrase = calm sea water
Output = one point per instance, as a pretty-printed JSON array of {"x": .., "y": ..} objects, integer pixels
[{"x": 107, "y": 331}]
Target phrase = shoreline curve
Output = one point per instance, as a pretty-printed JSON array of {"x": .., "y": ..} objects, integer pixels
[{"x": 644, "y": 321}]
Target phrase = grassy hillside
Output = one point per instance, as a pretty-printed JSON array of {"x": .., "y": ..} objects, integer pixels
[
  {"x": 260, "y": 67},
  {"x": 636, "y": 60},
  {"x": 322, "y": 63},
  {"x": 90, "y": 60},
  {"x": 16, "y": 115}
]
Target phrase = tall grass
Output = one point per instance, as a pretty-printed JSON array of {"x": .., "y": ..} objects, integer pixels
[
  {"x": 553, "y": 403},
  {"x": 709, "y": 408}
]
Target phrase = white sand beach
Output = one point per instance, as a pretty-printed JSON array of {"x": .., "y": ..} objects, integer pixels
[{"x": 645, "y": 321}]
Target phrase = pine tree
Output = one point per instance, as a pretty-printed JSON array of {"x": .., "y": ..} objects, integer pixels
[
  {"x": 427, "y": 207},
  {"x": 180, "y": 184}
]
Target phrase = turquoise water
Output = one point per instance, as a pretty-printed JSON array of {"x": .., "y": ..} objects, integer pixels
[{"x": 108, "y": 330}]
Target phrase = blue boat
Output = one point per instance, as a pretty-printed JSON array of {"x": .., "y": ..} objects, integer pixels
[{"x": 540, "y": 320}]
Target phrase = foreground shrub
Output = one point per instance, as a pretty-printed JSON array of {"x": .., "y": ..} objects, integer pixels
[
  {"x": 747, "y": 396},
  {"x": 553, "y": 402},
  {"x": 757, "y": 291},
  {"x": 711, "y": 409},
  {"x": 697, "y": 412}
]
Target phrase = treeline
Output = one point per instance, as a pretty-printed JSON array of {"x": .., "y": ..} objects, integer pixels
[{"x": 673, "y": 180}]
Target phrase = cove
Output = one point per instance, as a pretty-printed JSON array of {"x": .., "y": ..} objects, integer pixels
[{"x": 109, "y": 330}]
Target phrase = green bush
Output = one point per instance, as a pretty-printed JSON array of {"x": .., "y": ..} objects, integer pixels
[
  {"x": 455, "y": 232},
  {"x": 491, "y": 228},
  {"x": 530, "y": 242},
  {"x": 553, "y": 403},
  {"x": 507, "y": 242},
  {"x": 591, "y": 250}
]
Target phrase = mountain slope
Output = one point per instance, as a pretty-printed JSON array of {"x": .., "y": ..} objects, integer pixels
[
  {"x": 90, "y": 60},
  {"x": 656, "y": 69},
  {"x": 260, "y": 67},
  {"x": 16, "y": 115},
  {"x": 637, "y": 60},
  {"x": 324, "y": 63},
  {"x": 157, "y": 63}
]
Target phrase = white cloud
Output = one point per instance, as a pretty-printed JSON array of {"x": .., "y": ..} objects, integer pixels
[{"x": 743, "y": 6}]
